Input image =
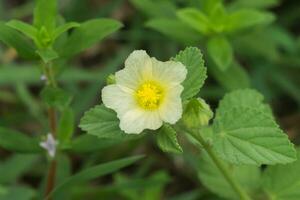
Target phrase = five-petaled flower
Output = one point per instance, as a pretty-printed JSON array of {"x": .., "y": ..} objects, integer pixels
[{"x": 146, "y": 93}]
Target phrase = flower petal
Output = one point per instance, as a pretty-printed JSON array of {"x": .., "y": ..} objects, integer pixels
[
  {"x": 116, "y": 98},
  {"x": 138, "y": 67},
  {"x": 135, "y": 121},
  {"x": 171, "y": 109},
  {"x": 170, "y": 73}
]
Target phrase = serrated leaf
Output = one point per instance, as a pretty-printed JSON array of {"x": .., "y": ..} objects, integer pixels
[
  {"x": 95, "y": 172},
  {"x": 249, "y": 136},
  {"x": 18, "y": 142},
  {"x": 174, "y": 29},
  {"x": 195, "y": 19},
  {"x": 88, "y": 34},
  {"x": 56, "y": 97},
  {"x": 17, "y": 41},
  {"x": 167, "y": 139},
  {"x": 248, "y": 177},
  {"x": 220, "y": 51},
  {"x": 282, "y": 182},
  {"x": 103, "y": 123},
  {"x": 243, "y": 98},
  {"x": 191, "y": 57}
]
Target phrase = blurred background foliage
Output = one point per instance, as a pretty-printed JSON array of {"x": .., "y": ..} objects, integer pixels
[{"x": 263, "y": 53}]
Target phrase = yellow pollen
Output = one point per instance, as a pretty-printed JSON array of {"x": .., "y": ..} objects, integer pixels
[{"x": 149, "y": 95}]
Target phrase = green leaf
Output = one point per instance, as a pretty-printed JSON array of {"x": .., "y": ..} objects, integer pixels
[
  {"x": 249, "y": 136},
  {"x": 66, "y": 125},
  {"x": 47, "y": 54},
  {"x": 18, "y": 142},
  {"x": 27, "y": 29},
  {"x": 103, "y": 123},
  {"x": 249, "y": 98},
  {"x": 18, "y": 193},
  {"x": 247, "y": 176},
  {"x": 56, "y": 97},
  {"x": 63, "y": 28},
  {"x": 90, "y": 144},
  {"x": 246, "y": 18},
  {"x": 282, "y": 182},
  {"x": 45, "y": 13},
  {"x": 191, "y": 57},
  {"x": 167, "y": 139},
  {"x": 95, "y": 172},
  {"x": 16, "y": 40},
  {"x": 88, "y": 34},
  {"x": 195, "y": 19},
  {"x": 155, "y": 9},
  {"x": 220, "y": 51},
  {"x": 235, "y": 77},
  {"x": 14, "y": 167},
  {"x": 175, "y": 29}
]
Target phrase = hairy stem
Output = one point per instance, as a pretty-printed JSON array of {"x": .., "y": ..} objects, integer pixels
[
  {"x": 48, "y": 72},
  {"x": 223, "y": 169}
]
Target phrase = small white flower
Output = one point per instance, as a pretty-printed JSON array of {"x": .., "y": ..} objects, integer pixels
[
  {"x": 49, "y": 145},
  {"x": 146, "y": 93},
  {"x": 43, "y": 77}
]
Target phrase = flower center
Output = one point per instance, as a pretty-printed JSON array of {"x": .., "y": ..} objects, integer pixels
[{"x": 149, "y": 95}]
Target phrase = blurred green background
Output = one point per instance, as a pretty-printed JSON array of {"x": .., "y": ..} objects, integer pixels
[{"x": 266, "y": 56}]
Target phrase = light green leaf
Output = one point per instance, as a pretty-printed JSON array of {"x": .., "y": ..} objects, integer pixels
[
  {"x": 249, "y": 98},
  {"x": 167, "y": 139},
  {"x": 220, "y": 51},
  {"x": 17, "y": 41},
  {"x": 175, "y": 29},
  {"x": 247, "y": 176},
  {"x": 63, "y": 28},
  {"x": 56, "y": 97},
  {"x": 66, "y": 125},
  {"x": 18, "y": 142},
  {"x": 95, "y": 172},
  {"x": 191, "y": 57},
  {"x": 195, "y": 19},
  {"x": 18, "y": 193},
  {"x": 246, "y": 18},
  {"x": 103, "y": 123},
  {"x": 45, "y": 12},
  {"x": 235, "y": 77},
  {"x": 282, "y": 182},
  {"x": 88, "y": 34},
  {"x": 47, "y": 54},
  {"x": 27, "y": 29},
  {"x": 249, "y": 136},
  {"x": 90, "y": 144}
]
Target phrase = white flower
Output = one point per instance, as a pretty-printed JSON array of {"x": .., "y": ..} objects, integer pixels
[
  {"x": 146, "y": 93},
  {"x": 49, "y": 145}
]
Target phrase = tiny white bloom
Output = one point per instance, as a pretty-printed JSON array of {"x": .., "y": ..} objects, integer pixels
[
  {"x": 43, "y": 77},
  {"x": 147, "y": 93},
  {"x": 49, "y": 145}
]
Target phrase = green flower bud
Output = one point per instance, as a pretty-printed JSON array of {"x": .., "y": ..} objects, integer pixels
[
  {"x": 111, "y": 79},
  {"x": 196, "y": 113}
]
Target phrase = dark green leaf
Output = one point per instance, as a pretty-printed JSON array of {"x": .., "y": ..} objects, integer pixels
[
  {"x": 167, "y": 139},
  {"x": 18, "y": 142},
  {"x": 56, "y": 97},
  {"x": 66, "y": 125}
]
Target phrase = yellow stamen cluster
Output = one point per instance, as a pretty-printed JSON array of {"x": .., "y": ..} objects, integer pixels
[{"x": 149, "y": 95}]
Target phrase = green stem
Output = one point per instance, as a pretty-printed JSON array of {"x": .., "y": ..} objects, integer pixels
[{"x": 223, "y": 169}]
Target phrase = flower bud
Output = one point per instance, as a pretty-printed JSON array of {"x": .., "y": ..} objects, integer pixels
[
  {"x": 196, "y": 113},
  {"x": 111, "y": 79}
]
